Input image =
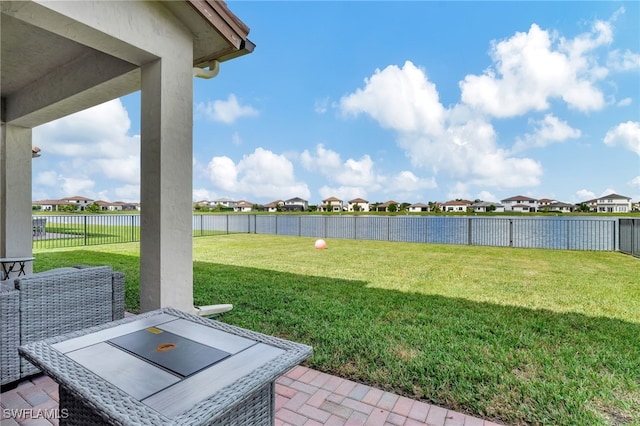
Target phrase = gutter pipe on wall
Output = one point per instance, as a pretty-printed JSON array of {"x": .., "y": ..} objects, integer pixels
[{"x": 214, "y": 69}]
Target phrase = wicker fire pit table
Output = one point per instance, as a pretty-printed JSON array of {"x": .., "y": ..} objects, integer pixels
[{"x": 166, "y": 367}]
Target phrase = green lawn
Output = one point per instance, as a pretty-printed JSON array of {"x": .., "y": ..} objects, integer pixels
[{"x": 519, "y": 336}]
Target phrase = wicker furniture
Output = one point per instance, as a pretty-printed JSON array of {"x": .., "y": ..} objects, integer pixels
[
  {"x": 37, "y": 306},
  {"x": 102, "y": 384}
]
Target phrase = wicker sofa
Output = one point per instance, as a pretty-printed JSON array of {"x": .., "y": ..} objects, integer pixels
[{"x": 37, "y": 306}]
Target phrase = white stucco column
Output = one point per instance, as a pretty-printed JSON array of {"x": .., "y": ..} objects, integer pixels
[
  {"x": 16, "y": 229},
  {"x": 166, "y": 269}
]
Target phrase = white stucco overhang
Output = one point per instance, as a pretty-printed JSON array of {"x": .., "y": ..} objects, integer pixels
[{"x": 60, "y": 57}]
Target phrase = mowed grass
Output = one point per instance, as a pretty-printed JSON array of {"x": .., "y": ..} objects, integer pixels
[{"x": 519, "y": 336}]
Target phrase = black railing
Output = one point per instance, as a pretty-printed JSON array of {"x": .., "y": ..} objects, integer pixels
[{"x": 567, "y": 233}]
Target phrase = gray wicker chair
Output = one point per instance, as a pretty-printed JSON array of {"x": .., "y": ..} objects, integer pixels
[{"x": 37, "y": 306}]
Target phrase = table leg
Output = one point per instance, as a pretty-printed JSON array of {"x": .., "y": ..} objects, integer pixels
[{"x": 5, "y": 271}]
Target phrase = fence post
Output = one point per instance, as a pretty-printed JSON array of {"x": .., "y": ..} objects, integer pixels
[
  {"x": 511, "y": 233},
  {"x": 469, "y": 231},
  {"x": 324, "y": 226},
  {"x": 633, "y": 237},
  {"x": 355, "y": 227},
  {"x": 85, "y": 230}
]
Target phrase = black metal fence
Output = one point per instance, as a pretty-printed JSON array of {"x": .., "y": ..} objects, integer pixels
[
  {"x": 84, "y": 230},
  {"x": 630, "y": 236},
  {"x": 567, "y": 233}
]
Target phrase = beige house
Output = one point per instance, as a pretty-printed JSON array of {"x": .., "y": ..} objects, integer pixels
[
  {"x": 61, "y": 57},
  {"x": 273, "y": 206},
  {"x": 243, "y": 206},
  {"x": 386, "y": 206},
  {"x": 358, "y": 205},
  {"x": 456, "y": 205},
  {"x": 331, "y": 204}
]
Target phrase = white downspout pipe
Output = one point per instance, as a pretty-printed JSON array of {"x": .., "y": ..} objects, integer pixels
[
  {"x": 214, "y": 69},
  {"x": 205, "y": 311}
]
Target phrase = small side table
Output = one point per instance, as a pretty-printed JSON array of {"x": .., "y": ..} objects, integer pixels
[
  {"x": 166, "y": 367},
  {"x": 14, "y": 264}
]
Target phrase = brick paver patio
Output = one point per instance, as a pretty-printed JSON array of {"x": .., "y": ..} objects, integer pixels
[{"x": 304, "y": 397}]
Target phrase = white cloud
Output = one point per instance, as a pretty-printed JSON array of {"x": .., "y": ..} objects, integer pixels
[
  {"x": 200, "y": 194},
  {"x": 626, "y": 135},
  {"x": 226, "y": 111},
  {"x": 457, "y": 142},
  {"x": 624, "y": 102},
  {"x": 345, "y": 193},
  {"x": 47, "y": 178},
  {"x": 223, "y": 173},
  {"x": 357, "y": 178},
  {"x": 236, "y": 139},
  {"x": 91, "y": 147},
  {"x": 98, "y": 132},
  {"x": 635, "y": 185},
  {"x": 608, "y": 191},
  {"x": 402, "y": 99},
  {"x": 534, "y": 67},
  {"x": 459, "y": 191},
  {"x": 623, "y": 61},
  {"x": 585, "y": 195},
  {"x": 77, "y": 186},
  {"x": 126, "y": 192},
  {"x": 406, "y": 184},
  {"x": 351, "y": 173},
  {"x": 321, "y": 105},
  {"x": 261, "y": 174},
  {"x": 547, "y": 131},
  {"x": 324, "y": 160},
  {"x": 487, "y": 196}
]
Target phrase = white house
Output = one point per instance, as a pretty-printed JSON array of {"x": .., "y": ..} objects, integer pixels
[
  {"x": 358, "y": 205},
  {"x": 223, "y": 202},
  {"x": 613, "y": 203},
  {"x": 48, "y": 205},
  {"x": 418, "y": 207},
  {"x": 486, "y": 206},
  {"x": 557, "y": 206},
  {"x": 520, "y": 203},
  {"x": 296, "y": 205},
  {"x": 81, "y": 203}
]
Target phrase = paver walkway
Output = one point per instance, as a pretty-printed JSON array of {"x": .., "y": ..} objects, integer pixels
[{"x": 304, "y": 397}]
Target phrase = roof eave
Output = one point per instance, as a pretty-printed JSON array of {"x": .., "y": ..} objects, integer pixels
[{"x": 227, "y": 25}]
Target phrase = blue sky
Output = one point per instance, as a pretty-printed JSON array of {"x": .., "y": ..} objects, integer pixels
[{"x": 405, "y": 101}]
